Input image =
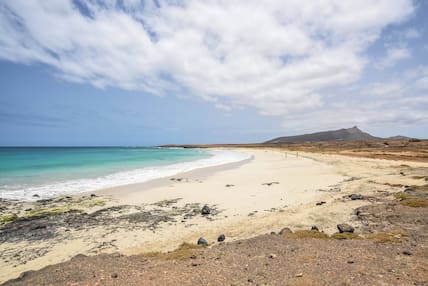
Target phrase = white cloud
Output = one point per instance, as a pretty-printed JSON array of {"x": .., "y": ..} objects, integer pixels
[
  {"x": 422, "y": 83},
  {"x": 278, "y": 56},
  {"x": 385, "y": 89},
  {"x": 412, "y": 33},
  {"x": 393, "y": 55}
]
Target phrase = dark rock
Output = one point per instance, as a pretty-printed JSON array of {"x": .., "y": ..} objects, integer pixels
[
  {"x": 402, "y": 174},
  {"x": 114, "y": 275},
  {"x": 356, "y": 197},
  {"x": 93, "y": 195},
  {"x": 285, "y": 230},
  {"x": 345, "y": 228},
  {"x": 272, "y": 233},
  {"x": 205, "y": 210},
  {"x": 36, "y": 196},
  {"x": 221, "y": 238},
  {"x": 229, "y": 185},
  {"x": 270, "y": 184},
  {"x": 350, "y": 261},
  {"x": 405, "y": 252},
  {"x": 426, "y": 178},
  {"x": 320, "y": 203},
  {"x": 315, "y": 228},
  {"x": 202, "y": 241}
]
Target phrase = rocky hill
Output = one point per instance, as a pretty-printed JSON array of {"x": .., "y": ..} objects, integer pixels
[{"x": 349, "y": 134}]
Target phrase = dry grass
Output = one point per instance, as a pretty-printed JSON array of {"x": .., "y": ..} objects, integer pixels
[
  {"x": 401, "y": 196},
  {"x": 184, "y": 251},
  {"x": 46, "y": 212},
  {"x": 415, "y": 203},
  {"x": 345, "y": 235},
  {"x": 5, "y": 219},
  {"x": 386, "y": 237},
  {"x": 307, "y": 234}
]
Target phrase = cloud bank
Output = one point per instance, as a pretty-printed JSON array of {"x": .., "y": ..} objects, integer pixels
[{"x": 277, "y": 56}]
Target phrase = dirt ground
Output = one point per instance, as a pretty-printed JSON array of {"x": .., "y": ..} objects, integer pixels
[{"x": 391, "y": 249}]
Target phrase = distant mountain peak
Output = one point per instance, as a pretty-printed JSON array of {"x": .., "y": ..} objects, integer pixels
[{"x": 344, "y": 134}]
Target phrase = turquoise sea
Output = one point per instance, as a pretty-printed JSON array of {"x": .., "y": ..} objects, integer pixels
[{"x": 28, "y": 173}]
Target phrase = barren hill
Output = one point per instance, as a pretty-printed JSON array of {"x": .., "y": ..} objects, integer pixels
[{"x": 349, "y": 134}]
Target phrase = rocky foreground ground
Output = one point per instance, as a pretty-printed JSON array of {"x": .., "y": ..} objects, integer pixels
[{"x": 390, "y": 248}]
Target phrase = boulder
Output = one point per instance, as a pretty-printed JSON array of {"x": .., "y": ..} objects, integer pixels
[
  {"x": 285, "y": 230},
  {"x": 356, "y": 197},
  {"x": 221, "y": 238},
  {"x": 345, "y": 228},
  {"x": 205, "y": 210},
  {"x": 202, "y": 241}
]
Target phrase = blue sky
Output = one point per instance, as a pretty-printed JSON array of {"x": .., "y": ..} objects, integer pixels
[{"x": 156, "y": 72}]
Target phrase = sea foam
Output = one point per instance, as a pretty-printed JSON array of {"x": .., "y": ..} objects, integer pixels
[{"x": 31, "y": 193}]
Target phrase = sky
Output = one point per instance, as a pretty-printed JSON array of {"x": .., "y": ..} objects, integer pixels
[{"x": 137, "y": 72}]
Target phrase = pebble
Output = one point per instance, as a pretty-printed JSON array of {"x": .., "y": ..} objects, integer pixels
[
  {"x": 221, "y": 238},
  {"x": 205, "y": 210},
  {"x": 299, "y": 275},
  {"x": 114, "y": 275},
  {"x": 272, "y": 255},
  {"x": 202, "y": 241},
  {"x": 405, "y": 252},
  {"x": 315, "y": 228},
  {"x": 356, "y": 197},
  {"x": 320, "y": 203}
]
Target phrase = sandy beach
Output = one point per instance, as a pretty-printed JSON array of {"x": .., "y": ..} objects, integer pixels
[{"x": 272, "y": 190}]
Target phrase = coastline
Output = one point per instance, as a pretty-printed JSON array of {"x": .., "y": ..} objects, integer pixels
[{"x": 266, "y": 193}]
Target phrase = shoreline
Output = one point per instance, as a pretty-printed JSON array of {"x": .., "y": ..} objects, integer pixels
[{"x": 247, "y": 199}]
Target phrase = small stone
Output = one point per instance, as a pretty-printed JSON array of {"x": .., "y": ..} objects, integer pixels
[
  {"x": 350, "y": 261},
  {"x": 272, "y": 233},
  {"x": 315, "y": 228},
  {"x": 408, "y": 253},
  {"x": 299, "y": 275},
  {"x": 221, "y": 238},
  {"x": 272, "y": 256},
  {"x": 93, "y": 195},
  {"x": 114, "y": 275},
  {"x": 345, "y": 228},
  {"x": 229, "y": 185},
  {"x": 202, "y": 241},
  {"x": 195, "y": 264},
  {"x": 356, "y": 197},
  {"x": 320, "y": 203},
  {"x": 285, "y": 230},
  {"x": 36, "y": 196},
  {"x": 192, "y": 256},
  {"x": 205, "y": 210}
]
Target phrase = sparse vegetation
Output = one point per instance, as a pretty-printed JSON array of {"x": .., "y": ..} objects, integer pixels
[
  {"x": 307, "y": 234},
  {"x": 386, "y": 237},
  {"x": 415, "y": 203},
  {"x": 401, "y": 196},
  {"x": 46, "y": 212},
  {"x": 184, "y": 251},
  {"x": 4, "y": 219},
  {"x": 345, "y": 235}
]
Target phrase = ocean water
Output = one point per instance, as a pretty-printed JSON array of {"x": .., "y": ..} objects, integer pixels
[{"x": 31, "y": 173}]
